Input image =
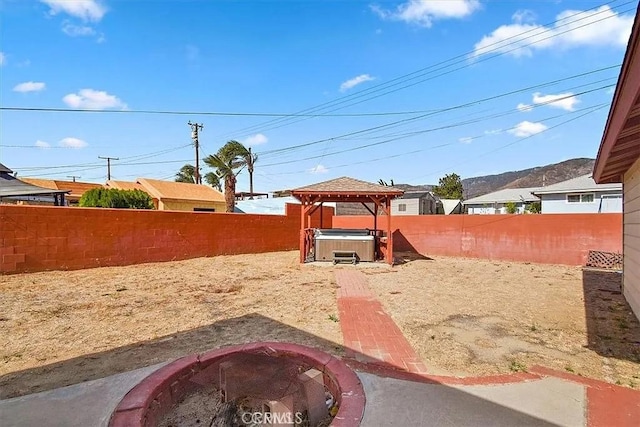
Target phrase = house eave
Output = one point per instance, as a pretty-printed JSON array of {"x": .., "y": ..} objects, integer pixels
[{"x": 620, "y": 145}]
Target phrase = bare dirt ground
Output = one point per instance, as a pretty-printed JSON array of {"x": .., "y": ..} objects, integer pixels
[
  {"x": 467, "y": 316},
  {"x": 60, "y": 328},
  {"x": 462, "y": 316}
]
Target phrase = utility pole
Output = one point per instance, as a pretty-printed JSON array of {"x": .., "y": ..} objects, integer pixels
[
  {"x": 108, "y": 159},
  {"x": 73, "y": 177},
  {"x": 194, "y": 135}
]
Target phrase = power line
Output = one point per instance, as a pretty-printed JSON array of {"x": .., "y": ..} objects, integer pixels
[
  {"x": 595, "y": 108},
  {"x": 447, "y": 109},
  {"x": 588, "y": 110},
  {"x": 457, "y": 59}
]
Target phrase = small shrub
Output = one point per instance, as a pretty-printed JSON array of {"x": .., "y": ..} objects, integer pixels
[
  {"x": 511, "y": 207},
  {"x": 516, "y": 366},
  {"x": 333, "y": 318},
  {"x": 115, "y": 198}
]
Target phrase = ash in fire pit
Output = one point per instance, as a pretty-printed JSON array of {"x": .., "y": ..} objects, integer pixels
[{"x": 252, "y": 390}]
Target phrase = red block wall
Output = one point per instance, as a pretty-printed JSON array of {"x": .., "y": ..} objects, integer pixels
[
  {"x": 38, "y": 238},
  {"x": 552, "y": 239}
]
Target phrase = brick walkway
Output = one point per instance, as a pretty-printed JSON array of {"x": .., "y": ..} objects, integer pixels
[{"x": 370, "y": 335}]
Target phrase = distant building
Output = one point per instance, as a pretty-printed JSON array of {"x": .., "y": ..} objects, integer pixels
[
  {"x": 176, "y": 196},
  {"x": 418, "y": 203},
  {"x": 76, "y": 188},
  {"x": 496, "y": 202},
  {"x": 269, "y": 206},
  {"x": 16, "y": 191},
  {"x": 580, "y": 195}
]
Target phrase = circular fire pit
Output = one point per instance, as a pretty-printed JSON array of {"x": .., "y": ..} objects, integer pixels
[{"x": 270, "y": 383}]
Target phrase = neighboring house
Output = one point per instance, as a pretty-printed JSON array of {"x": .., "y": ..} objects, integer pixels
[
  {"x": 269, "y": 206},
  {"x": 618, "y": 161},
  {"x": 176, "y": 196},
  {"x": 496, "y": 202},
  {"x": 15, "y": 191},
  {"x": 451, "y": 206},
  {"x": 76, "y": 189},
  {"x": 580, "y": 195},
  {"x": 422, "y": 203}
]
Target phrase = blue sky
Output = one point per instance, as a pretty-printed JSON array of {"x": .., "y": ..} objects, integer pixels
[{"x": 397, "y": 90}]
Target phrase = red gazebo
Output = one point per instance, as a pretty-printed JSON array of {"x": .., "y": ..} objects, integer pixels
[{"x": 350, "y": 190}]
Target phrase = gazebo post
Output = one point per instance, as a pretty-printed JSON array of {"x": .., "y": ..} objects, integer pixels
[
  {"x": 375, "y": 229},
  {"x": 387, "y": 202},
  {"x": 303, "y": 233}
]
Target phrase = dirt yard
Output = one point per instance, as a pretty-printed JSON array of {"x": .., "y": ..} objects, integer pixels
[
  {"x": 466, "y": 316},
  {"x": 61, "y": 328},
  {"x": 462, "y": 316}
]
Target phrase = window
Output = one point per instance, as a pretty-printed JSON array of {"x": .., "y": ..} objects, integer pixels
[
  {"x": 587, "y": 198},
  {"x": 402, "y": 207},
  {"x": 580, "y": 198},
  {"x": 573, "y": 198}
]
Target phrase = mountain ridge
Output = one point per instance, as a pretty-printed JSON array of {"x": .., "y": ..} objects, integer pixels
[{"x": 537, "y": 176}]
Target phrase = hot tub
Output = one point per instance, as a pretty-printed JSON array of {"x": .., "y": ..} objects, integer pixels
[{"x": 340, "y": 239}]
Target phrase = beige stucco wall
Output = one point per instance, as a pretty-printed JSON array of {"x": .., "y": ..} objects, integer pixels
[
  {"x": 631, "y": 237},
  {"x": 185, "y": 205}
]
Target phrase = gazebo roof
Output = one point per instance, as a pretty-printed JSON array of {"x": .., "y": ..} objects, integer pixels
[{"x": 346, "y": 186}]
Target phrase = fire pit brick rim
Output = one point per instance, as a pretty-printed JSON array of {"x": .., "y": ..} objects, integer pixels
[{"x": 137, "y": 407}]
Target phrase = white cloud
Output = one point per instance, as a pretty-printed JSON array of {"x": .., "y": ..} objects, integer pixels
[
  {"x": 73, "y": 143},
  {"x": 599, "y": 27},
  {"x": 493, "y": 131},
  {"x": 355, "y": 81},
  {"x": 90, "y": 99},
  {"x": 466, "y": 139},
  {"x": 318, "y": 169},
  {"x": 87, "y": 10},
  {"x": 424, "y": 12},
  {"x": 524, "y": 16},
  {"x": 29, "y": 87},
  {"x": 565, "y": 101},
  {"x": 77, "y": 30},
  {"x": 256, "y": 139},
  {"x": 3, "y": 59},
  {"x": 42, "y": 144},
  {"x": 526, "y": 128},
  {"x": 524, "y": 107}
]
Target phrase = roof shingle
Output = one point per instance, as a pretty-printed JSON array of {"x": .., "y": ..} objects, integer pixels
[
  {"x": 348, "y": 185},
  {"x": 180, "y": 190}
]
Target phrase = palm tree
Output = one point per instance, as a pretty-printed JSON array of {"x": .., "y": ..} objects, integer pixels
[
  {"x": 251, "y": 159},
  {"x": 231, "y": 156},
  {"x": 187, "y": 174}
]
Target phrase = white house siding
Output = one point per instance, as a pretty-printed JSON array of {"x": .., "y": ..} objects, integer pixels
[
  {"x": 557, "y": 203},
  {"x": 631, "y": 237},
  {"x": 412, "y": 207}
]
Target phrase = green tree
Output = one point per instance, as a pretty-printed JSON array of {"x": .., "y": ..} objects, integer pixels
[
  {"x": 187, "y": 173},
  {"x": 228, "y": 162},
  {"x": 511, "y": 207},
  {"x": 534, "y": 207},
  {"x": 383, "y": 182},
  {"x": 449, "y": 187},
  {"x": 115, "y": 198}
]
